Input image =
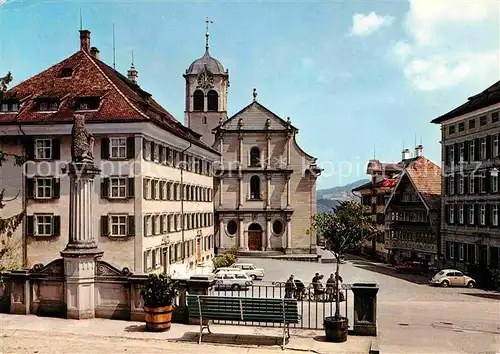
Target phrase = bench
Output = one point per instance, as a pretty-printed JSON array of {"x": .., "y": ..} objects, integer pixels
[{"x": 245, "y": 309}]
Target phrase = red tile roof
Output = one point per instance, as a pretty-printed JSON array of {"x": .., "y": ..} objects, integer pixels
[{"x": 121, "y": 100}]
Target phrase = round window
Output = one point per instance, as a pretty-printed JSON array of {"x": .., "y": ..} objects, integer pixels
[
  {"x": 277, "y": 227},
  {"x": 232, "y": 227}
]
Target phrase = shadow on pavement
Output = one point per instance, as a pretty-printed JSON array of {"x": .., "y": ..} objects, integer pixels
[
  {"x": 413, "y": 278},
  {"x": 484, "y": 295},
  {"x": 232, "y": 339},
  {"x": 135, "y": 328}
]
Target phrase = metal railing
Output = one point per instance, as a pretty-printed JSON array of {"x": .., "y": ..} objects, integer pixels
[{"x": 313, "y": 306}]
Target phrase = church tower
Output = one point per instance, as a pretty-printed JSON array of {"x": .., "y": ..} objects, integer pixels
[{"x": 206, "y": 94}]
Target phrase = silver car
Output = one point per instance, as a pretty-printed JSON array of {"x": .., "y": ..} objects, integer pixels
[
  {"x": 452, "y": 277},
  {"x": 250, "y": 269}
]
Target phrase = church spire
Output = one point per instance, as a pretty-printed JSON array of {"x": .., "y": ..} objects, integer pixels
[{"x": 207, "y": 34}]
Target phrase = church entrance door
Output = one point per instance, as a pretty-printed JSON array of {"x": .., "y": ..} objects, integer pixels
[{"x": 254, "y": 237}]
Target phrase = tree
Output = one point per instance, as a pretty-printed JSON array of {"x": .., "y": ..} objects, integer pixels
[
  {"x": 8, "y": 245},
  {"x": 346, "y": 228}
]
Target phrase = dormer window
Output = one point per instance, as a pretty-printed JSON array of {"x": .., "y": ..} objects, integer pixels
[
  {"x": 66, "y": 72},
  {"x": 48, "y": 105},
  {"x": 9, "y": 106},
  {"x": 87, "y": 103}
]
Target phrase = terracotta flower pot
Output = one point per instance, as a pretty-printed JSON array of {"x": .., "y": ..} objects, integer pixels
[
  {"x": 158, "y": 319},
  {"x": 336, "y": 329}
]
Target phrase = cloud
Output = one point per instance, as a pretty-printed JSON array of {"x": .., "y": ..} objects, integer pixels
[
  {"x": 450, "y": 42},
  {"x": 364, "y": 25},
  {"x": 2, "y": 2}
]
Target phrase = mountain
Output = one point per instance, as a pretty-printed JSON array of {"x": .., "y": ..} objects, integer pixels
[
  {"x": 329, "y": 199},
  {"x": 341, "y": 192}
]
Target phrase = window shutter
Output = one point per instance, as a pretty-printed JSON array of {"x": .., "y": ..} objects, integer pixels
[
  {"x": 29, "y": 147},
  {"x": 455, "y": 216},
  {"x": 105, "y": 188},
  {"x": 487, "y": 181},
  {"x": 131, "y": 187},
  {"x": 131, "y": 225},
  {"x": 447, "y": 155},
  {"x": 130, "y": 147},
  {"x": 446, "y": 185},
  {"x": 488, "y": 146},
  {"x": 447, "y": 213},
  {"x": 30, "y": 227},
  {"x": 56, "y": 188},
  {"x": 160, "y": 188},
  {"x": 477, "y": 183},
  {"x": 56, "y": 149},
  {"x": 104, "y": 225},
  {"x": 56, "y": 225},
  {"x": 152, "y": 151},
  {"x": 456, "y": 180},
  {"x": 476, "y": 214},
  {"x": 145, "y": 226},
  {"x": 160, "y": 153},
  {"x": 488, "y": 215},
  {"x": 466, "y": 151},
  {"x": 466, "y": 183},
  {"x": 144, "y": 148},
  {"x": 30, "y": 188},
  {"x": 105, "y": 148},
  {"x": 456, "y": 154},
  {"x": 466, "y": 213},
  {"x": 476, "y": 149},
  {"x": 447, "y": 250}
]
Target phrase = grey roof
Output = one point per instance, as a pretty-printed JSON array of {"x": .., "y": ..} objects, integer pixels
[{"x": 212, "y": 65}]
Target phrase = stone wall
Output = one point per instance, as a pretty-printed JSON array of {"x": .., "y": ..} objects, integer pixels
[{"x": 40, "y": 291}]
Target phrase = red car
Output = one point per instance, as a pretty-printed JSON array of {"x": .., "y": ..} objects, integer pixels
[{"x": 412, "y": 267}]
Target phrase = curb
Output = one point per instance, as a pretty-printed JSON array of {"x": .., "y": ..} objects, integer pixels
[{"x": 374, "y": 347}]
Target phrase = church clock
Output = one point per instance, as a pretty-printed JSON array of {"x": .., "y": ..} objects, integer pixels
[{"x": 205, "y": 80}]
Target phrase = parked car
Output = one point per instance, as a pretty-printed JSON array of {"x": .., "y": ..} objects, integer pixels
[
  {"x": 452, "y": 277},
  {"x": 250, "y": 269},
  {"x": 235, "y": 280},
  {"x": 223, "y": 269},
  {"x": 414, "y": 267}
]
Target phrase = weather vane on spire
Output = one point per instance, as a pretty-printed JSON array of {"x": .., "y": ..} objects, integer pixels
[{"x": 207, "y": 34}]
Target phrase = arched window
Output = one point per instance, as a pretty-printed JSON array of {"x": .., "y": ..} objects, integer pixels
[
  {"x": 254, "y": 156},
  {"x": 213, "y": 101},
  {"x": 198, "y": 100},
  {"x": 255, "y": 187}
]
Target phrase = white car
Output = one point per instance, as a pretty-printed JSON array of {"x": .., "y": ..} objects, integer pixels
[
  {"x": 452, "y": 277},
  {"x": 235, "y": 280},
  {"x": 250, "y": 269}
]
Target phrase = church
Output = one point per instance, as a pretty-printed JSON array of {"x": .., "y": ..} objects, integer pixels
[{"x": 264, "y": 183}]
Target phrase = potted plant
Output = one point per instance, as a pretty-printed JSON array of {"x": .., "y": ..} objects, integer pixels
[
  {"x": 158, "y": 294},
  {"x": 347, "y": 227}
]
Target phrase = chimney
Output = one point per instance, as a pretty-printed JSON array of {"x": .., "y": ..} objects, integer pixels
[
  {"x": 84, "y": 40},
  {"x": 94, "y": 52},
  {"x": 406, "y": 154},
  {"x": 419, "y": 150}
]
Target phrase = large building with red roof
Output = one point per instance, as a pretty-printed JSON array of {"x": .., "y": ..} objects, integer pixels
[{"x": 154, "y": 195}]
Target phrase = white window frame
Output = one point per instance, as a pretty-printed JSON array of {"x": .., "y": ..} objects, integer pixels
[
  {"x": 494, "y": 215},
  {"x": 155, "y": 190},
  {"x": 451, "y": 216},
  {"x": 118, "y": 148},
  {"x": 452, "y": 155},
  {"x": 148, "y": 263},
  {"x": 48, "y": 225},
  {"x": 156, "y": 224},
  {"x": 494, "y": 181},
  {"x": 471, "y": 150},
  {"x": 157, "y": 258},
  {"x": 461, "y": 252},
  {"x": 461, "y": 152},
  {"x": 43, "y": 152},
  {"x": 120, "y": 222},
  {"x": 461, "y": 182},
  {"x": 482, "y": 182},
  {"x": 494, "y": 149},
  {"x": 451, "y": 247},
  {"x": 461, "y": 214},
  {"x": 482, "y": 149},
  {"x": 471, "y": 214},
  {"x": 147, "y": 188},
  {"x": 472, "y": 184},
  {"x": 451, "y": 184},
  {"x": 118, "y": 184},
  {"x": 47, "y": 189},
  {"x": 148, "y": 226},
  {"x": 482, "y": 215}
]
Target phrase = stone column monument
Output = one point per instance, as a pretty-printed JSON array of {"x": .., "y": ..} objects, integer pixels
[{"x": 81, "y": 251}]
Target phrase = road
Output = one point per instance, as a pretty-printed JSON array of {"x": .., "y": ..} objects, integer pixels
[{"x": 410, "y": 313}]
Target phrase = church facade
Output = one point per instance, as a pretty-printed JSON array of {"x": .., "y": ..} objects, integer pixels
[{"x": 264, "y": 184}]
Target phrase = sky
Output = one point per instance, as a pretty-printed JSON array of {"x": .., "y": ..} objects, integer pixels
[{"x": 357, "y": 78}]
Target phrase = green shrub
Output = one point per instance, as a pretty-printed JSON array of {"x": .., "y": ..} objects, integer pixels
[
  {"x": 159, "y": 290},
  {"x": 225, "y": 260}
]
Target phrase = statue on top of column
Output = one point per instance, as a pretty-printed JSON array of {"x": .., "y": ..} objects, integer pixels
[{"x": 82, "y": 144}]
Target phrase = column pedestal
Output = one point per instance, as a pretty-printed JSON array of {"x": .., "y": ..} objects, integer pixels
[
  {"x": 365, "y": 308},
  {"x": 81, "y": 251},
  {"x": 288, "y": 249}
]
